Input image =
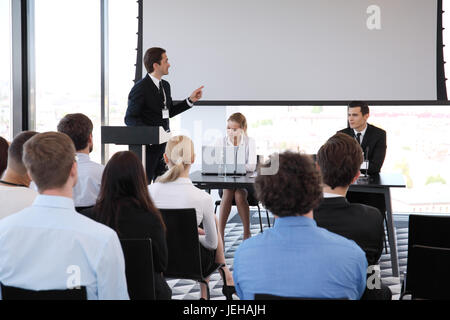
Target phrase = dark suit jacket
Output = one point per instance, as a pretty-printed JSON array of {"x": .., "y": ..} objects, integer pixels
[
  {"x": 137, "y": 223},
  {"x": 145, "y": 104},
  {"x": 358, "y": 222},
  {"x": 374, "y": 141}
]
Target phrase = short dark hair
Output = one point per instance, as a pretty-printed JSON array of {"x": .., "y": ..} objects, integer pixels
[
  {"x": 294, "y": 189},
  {"x": 49, "y": 158},
  {"x": 151, "y": 56},
  {"x": 363, "y": 105},
  {"x": 339, "y": 160},
  {"x": 78, "y": 127},
  {"x": 15, "y": 151}
]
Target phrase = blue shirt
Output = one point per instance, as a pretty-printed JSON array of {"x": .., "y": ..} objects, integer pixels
[
  {"x": 51, "y": 246},
  {"x": 296, "y": 258},
  {"x": 90, "y": 173}
]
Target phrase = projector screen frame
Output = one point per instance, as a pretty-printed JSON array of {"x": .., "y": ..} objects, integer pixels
[{"x": 441, "y": 87}]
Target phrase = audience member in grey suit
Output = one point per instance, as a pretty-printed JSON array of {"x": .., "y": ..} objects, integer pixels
[{"x": 339, "y": 160}]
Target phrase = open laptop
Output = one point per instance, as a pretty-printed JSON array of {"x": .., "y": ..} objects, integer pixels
[{"x": 220, "y": 160}]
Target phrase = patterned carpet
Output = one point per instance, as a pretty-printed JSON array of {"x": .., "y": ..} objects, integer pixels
[{"x": 190, "y": 290}]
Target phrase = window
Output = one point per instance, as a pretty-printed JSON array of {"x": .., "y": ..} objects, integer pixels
[
  {"x": 67, "y": 42},
  {"x": 5, "y": 70},
  {"x": 123, "y": 27}
]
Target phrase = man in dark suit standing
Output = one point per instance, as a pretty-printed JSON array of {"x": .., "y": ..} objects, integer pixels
[
  {"x": 373, "y": 143},
  {"x": 150, "y": 104},
  {"x": 339, "y": 160}
]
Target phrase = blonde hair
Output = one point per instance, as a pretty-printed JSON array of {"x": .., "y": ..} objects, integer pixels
[
  {"x": 240, "y": 119},
  {"x": 179, "y": 151}
]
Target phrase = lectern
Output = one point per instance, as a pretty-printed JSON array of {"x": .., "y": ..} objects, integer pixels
[{"x": 134, "y": 137}]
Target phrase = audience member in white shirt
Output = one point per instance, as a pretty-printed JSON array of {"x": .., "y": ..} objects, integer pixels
[
  {"x": 174, "y": 190},
  {"x": 49, "y": 246},
  {"x": 15, "y": 193},
  {"x": 79, "y": 128},
  {"x": 237, "y": 136}
]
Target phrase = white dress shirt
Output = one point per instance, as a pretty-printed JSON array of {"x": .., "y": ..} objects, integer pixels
[
  {"x": 14, "y": 199},
  {"x": 86, "y": 190},
  {"x": 182, "y": 194},
  {"x": 156, "y": 82},
  {"x": 362, "y": 133},
  {"x": 250, "y": 150},
  {"x": 49, "y": 246}
]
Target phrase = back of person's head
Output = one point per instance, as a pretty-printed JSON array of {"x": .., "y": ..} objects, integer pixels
[
  {"x": 180, "y": 155},
  {"x": 339, "y": 160},
  {"x": 363, "y": 105},
  {"x": 294, "y": 190},
  {"x": 240, "y": 119},
  {"x": 78, "y": 127},
  {"x": 151, "y": 56},
  {"x": 49, "y": 158},
  {"x": 123, "y": 183},
  {"x": 3, "y": 155},
  {"x": 15, "y": 152}
]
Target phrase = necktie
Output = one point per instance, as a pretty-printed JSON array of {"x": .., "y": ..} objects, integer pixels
[
  {"x": 161, "y": 93},
  {"x": 358, "y": 137}
]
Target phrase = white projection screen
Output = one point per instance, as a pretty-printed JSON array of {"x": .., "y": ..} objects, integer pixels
[{"x": 297, "y": 50}]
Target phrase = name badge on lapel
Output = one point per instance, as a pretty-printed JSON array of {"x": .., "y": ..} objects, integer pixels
[{"x": 165, "y": 113}]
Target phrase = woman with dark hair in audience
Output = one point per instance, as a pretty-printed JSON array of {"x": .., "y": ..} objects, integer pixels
[
  {"x": 3, "y": 155},
  {"x": 124, "y": 204}
]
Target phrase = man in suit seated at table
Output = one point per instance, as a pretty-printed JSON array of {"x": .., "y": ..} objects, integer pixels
[
  {"x": 296, "y": 258},
  {"x": 373, "y": 143},
  {"x": 339, "y": 160}
]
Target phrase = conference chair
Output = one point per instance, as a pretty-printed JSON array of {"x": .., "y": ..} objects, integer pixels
[
  {"x": 14, "y": 293},
  {"x": 251, "y": 199},
  {"x": 139, "y": 268},
  {"x": 184, "y": 247},
  {"x": 428, "y": 258},
  {"x": 252, "y": 202},
  {"x": 266, "y": 296}
]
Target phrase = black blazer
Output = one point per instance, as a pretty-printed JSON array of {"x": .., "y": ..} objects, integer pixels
[
  {"x": 374, "y": 141},
  {"x": 137, "y": 223},
  {"x": 145, "y": 104},
  {"x": 358, "y": 222}
]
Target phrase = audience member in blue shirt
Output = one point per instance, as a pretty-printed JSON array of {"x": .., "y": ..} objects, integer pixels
[
  {"x": 49, "y": 246},
  {"x": 79, "y": 128},
  {"x": 296, "y": 258}
]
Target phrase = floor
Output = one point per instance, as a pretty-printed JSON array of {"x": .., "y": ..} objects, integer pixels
[{"x": 190, "y": 290}]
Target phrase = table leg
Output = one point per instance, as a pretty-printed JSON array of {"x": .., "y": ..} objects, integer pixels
[{"x": 391, "y": 233}]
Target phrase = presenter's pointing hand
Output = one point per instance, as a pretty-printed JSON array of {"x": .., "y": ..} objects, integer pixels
[{"x": 197, "y": 94}]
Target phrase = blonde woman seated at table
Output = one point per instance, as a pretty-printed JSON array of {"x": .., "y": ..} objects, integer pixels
[
  {"x": 237, "y": 136},
  {"x": 174, "y": 190}
]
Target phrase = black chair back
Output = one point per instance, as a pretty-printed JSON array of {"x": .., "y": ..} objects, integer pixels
[
  {"x": 428, "y": 257},
  {"x": 182, "y": 244},
  {"x": 13, "y": 293},
  {"x": 139, "y": 268}
]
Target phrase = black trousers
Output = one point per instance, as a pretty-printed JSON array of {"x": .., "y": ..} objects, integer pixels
[{"x": 154, "y": 161}]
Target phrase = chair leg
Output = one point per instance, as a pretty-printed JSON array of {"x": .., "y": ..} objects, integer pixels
[
  {"x": 385, "y": 242},
  {"x": 268, "y": 220},
  {"x": 260, "y": 220}
]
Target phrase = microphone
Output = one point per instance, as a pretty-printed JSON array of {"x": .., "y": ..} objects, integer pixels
[
  {"x": 366, "y": 160},
  {"x": 236, "y": 149}
]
